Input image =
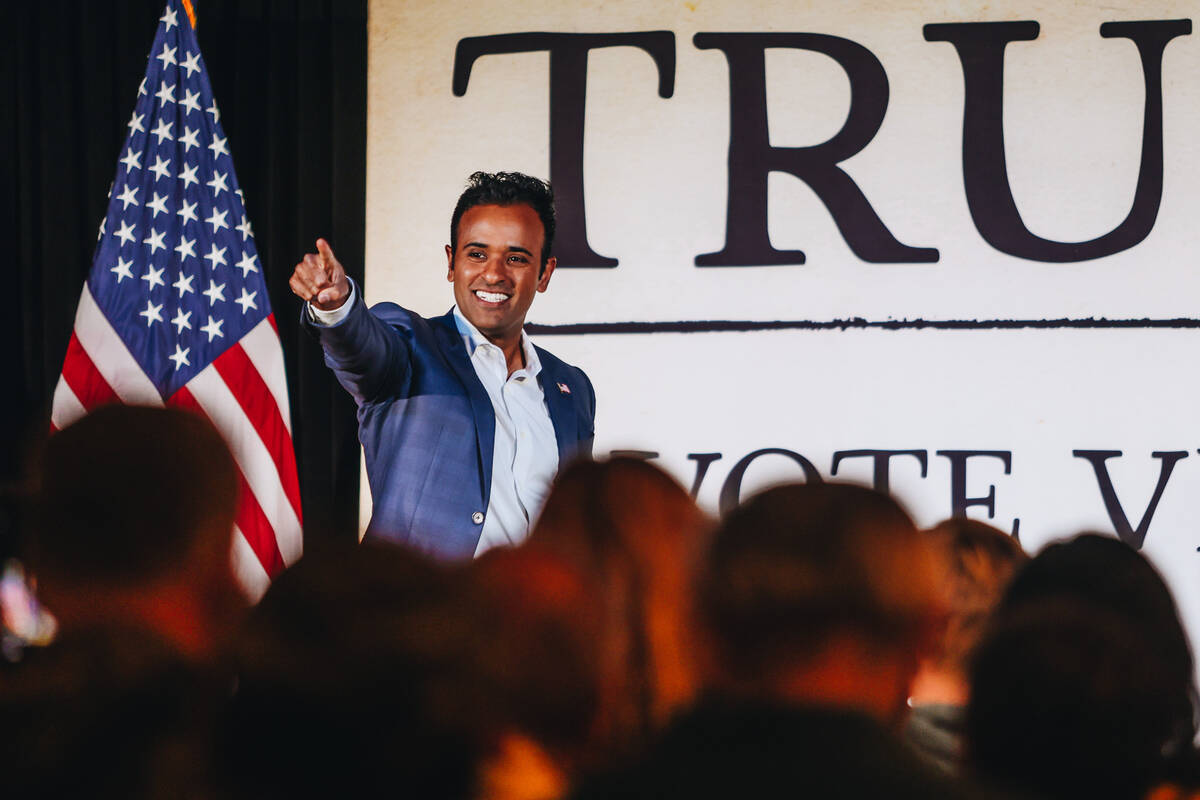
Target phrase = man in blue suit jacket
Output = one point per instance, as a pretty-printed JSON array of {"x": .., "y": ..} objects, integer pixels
[{"x": 462, "y": 419}]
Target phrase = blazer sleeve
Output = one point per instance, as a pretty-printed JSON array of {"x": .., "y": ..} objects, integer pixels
[{"x": 370, "y": 351}]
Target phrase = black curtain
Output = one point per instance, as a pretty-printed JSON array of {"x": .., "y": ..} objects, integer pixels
[{"x": 290, "y": 79}]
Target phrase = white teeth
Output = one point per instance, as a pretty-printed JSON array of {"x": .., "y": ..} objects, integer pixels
[{"x": 491, "y": 297}]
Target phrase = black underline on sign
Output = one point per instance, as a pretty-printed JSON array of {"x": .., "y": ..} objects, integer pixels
[{"x": 745, "y": 326}]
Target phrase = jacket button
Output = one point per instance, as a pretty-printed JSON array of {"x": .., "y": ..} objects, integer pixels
[{"x": 477, "y": 517}]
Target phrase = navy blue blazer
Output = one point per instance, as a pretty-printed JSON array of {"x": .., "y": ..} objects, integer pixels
[{"x": 427, "y": 426}]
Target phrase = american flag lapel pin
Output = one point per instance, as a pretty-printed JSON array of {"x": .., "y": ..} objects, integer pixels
[{"x": 562, "y": 387}]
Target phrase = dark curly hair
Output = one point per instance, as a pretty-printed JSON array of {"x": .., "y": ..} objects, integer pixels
[{"x": 508, "y": 189}]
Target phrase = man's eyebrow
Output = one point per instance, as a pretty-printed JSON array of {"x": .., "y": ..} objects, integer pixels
[{"x": 512, "y": 248}]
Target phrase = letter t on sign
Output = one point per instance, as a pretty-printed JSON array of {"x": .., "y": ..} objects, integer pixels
[
  {"x": 883, "y": 461},
  {"x": 568, "y": 99}
]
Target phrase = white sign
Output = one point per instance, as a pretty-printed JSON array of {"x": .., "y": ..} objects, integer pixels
[{"x": 996, "y": 206}]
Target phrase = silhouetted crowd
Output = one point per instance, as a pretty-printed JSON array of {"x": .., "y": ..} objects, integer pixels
[{"x": 812, "y": 643}]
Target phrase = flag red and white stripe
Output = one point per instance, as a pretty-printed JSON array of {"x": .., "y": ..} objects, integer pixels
[{"x": 243, "y": 393}]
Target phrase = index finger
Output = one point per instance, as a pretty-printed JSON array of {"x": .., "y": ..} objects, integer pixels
[{"x": 326, "y": 252}]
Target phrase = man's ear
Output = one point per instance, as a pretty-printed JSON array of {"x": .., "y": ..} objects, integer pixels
[
  {"x": 449, "y": 264},
  {"x": 547, "y": 271}
]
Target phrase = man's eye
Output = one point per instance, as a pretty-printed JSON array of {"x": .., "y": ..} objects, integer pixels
[
  {"x": 475, "y": 254},
  {"x": 519, "y": 259}
]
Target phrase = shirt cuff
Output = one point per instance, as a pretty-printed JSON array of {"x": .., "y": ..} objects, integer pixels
[{"x": 330, "y": 318}]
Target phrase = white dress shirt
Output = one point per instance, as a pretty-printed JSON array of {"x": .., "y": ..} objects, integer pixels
[{"x": 525, "y": 451}]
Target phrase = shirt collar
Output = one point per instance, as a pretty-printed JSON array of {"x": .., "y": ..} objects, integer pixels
[{"x": 472, "y": 338}]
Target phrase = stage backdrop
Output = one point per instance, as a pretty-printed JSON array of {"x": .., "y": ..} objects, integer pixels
[{"x": 948, "y": 248}]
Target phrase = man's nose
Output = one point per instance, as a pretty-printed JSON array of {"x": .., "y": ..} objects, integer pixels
[{"x": 494, "y": 269}]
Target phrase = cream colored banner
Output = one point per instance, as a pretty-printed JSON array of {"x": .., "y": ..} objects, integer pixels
[{"x": 1014, "y": 374}]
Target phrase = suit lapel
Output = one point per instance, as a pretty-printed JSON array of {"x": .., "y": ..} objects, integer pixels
[
  {"x": 561, "y": 406},
  {"x": 455, "y": 352}
]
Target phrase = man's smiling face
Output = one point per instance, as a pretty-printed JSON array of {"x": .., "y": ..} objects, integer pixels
[{"x": 495, "y": 268}]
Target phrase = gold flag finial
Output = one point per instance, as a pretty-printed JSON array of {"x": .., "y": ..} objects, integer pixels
[{"x": 191, "y": 12}]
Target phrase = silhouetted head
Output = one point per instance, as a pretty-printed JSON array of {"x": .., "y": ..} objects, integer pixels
[
  {"x": 128, "y": 493},
  {"x": 977, "y": 563},
  {"x": 1105, "y": 572},
  {"x": 801, "y": 570},
  {"x": 635, "y": 536},
  {"x": 534, "y": 670},
  {"x": 1083, "y": 685},
  {"x": 1067, "y": 701},
  {"x": 133, "y": 525},
  {"x": 346, "y": 670}
]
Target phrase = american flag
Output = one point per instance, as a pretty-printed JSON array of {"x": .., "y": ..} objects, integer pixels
[{"x": 175, "y": 309}]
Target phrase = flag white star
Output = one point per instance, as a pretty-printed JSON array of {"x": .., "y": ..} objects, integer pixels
[
  {"x": 142, "y": 86},
  {"x": 155, "y": 240},
  {"x": 163, "y": 131},
  {"x": 216, "y": 115},
  {"x": 246, "y": 265},
  {"x": 214, "y": 292},
  {"x": 184, "y": 284},
  {"x": 151, "y": 313},
  {"x": 153, "y": 277},
  {"x": 160, "y": 168},
  {"x": 191, "y": 63},
  {"x": 103, "y": 225},
  {"x": 217, "y": 220},
  {"x": 241, "y": 196},
  {"x": 245, "y": 226},
  {"x": 189, "y": 100},
  {"x": 159, "y": 204},
  {"x": 189, "y": 139},
  {"x": 167, "y": 56},
  {"x": 218, "y": 147},
  {"x": 213, "y": 328},
  {"x": 180, "y": 356},
  {"x": 165, "y": 93},
  {"x": 218, "y": 183},
  {"x": 128, "y": 197},
  {"x": 135, "y": 123},
  {"x": 183, "y": 319},
  {"x": 122, "y": 271},
  {"x": 246, "y": 301},
  {"x": 186, "y": 249},
  {"x": 216, "y": 257},
  {"x": 125, "y": 233},
  {"x": 132, "y": 160},
  {"x": 188, "y": 176},
  {"x": 187, "y": 210},
  {"x": 169, "y": 18}
]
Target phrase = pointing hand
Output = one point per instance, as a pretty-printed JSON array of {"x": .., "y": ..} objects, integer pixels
[{"x": 320, "y": 279}]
